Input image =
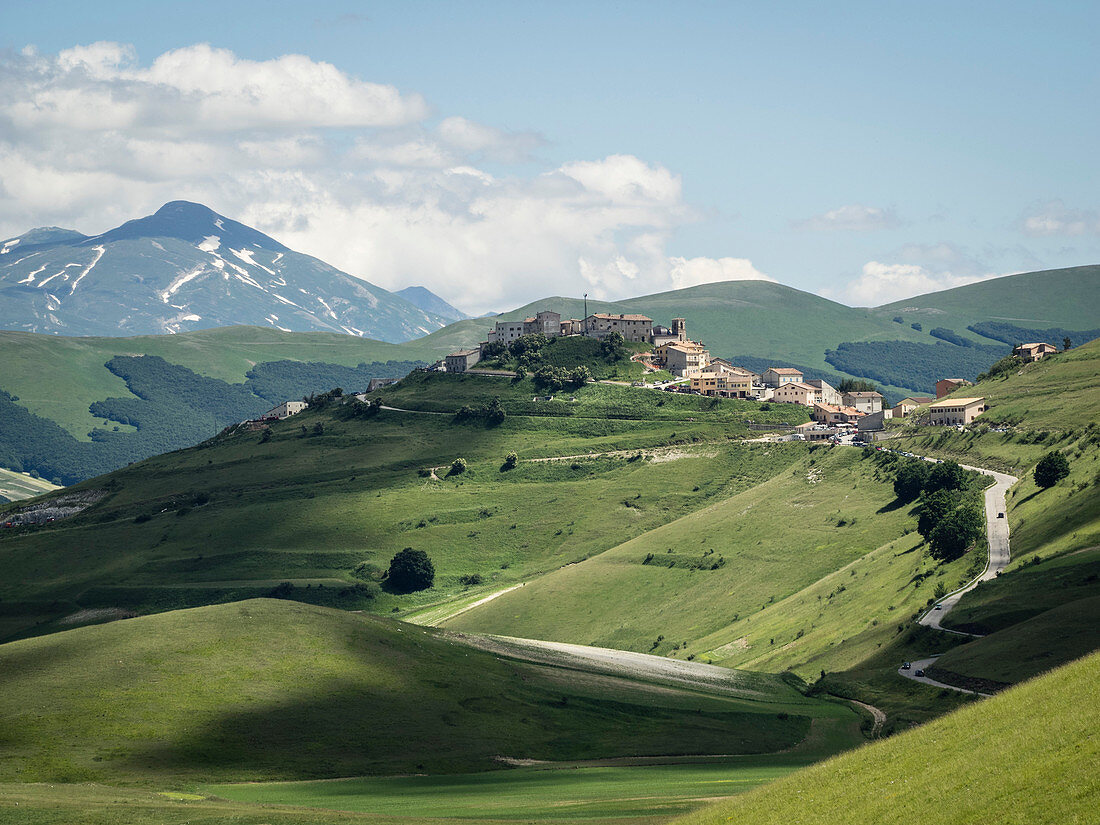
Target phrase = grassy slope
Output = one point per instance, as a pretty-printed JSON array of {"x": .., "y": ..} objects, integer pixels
[
  {"x": 1055, "y": 532},
  {"x": 1028, "y": 755},
  {"x": 57, "y": 377},
  {"x": 781, "y": 544},
  {"x": 308, "y": 510},
  {"x": 92, "y": 704},
  {"x": 1036, "y": 300}
]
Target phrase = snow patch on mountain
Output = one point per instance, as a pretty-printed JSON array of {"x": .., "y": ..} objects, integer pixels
[
  {"x": 99, "y": 250},
  {"x": 180, "y": 280},
  {"x": 210, "y": 243},
  {"x": 9, "y": 245}
]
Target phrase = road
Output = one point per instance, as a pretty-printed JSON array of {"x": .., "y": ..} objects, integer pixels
[
  {"x": 996, "y": 525},
  {"x": 924, "y": 680},
  {"x": 999, "y": 552}
]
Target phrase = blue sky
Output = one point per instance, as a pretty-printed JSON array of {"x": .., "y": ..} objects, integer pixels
[{"x": 866, "y": 151}]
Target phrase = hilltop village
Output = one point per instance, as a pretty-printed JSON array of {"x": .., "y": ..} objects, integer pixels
[{"x": 834, "y": 413}]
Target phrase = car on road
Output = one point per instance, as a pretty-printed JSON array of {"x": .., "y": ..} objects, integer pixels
[
  {"x": 920, "y": 674},
  {"x": 906, "y": 665},
  {"x": 938, "y": 607},
  {"x": 1000, "y": 515}
]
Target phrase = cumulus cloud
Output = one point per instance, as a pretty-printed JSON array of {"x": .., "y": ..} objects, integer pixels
[
  {"x": 359, "y": 174},
  {"x": 1055, "y": 218},
  {"x": 883, "y": 283},
  {"x": 851, "y": 218},
  {"x": 695, "y": 271}
]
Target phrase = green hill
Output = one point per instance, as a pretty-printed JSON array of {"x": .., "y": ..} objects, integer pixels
[
  {"x": 268, "y": 689},
  {"x": 1026, "y": 756},
  {"x": 1030, "y": 300},
  {"x": 239, "y": 516}
]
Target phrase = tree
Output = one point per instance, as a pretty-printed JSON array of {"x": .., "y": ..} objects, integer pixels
[
  {"x": 579, "y": 376},
  {"x": 1051, "y": 469},
  {"x": 934, "y": 507},
  {"x": 410, "y": 570},
  {"x": 510, "y": 461},
  {"x": 1067, "y": 344},
  {"x": 947, "y": 475},
  {"x": 910, "y": 480},
  {"x": 457, "y": 466},
  {"x": 958, "y": 530},
  {"x": 856, "y": 385},
  {"x": 613, "y": 344}
]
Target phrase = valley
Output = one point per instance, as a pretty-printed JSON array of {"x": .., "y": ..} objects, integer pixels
[{"x": 643, "y": 602}]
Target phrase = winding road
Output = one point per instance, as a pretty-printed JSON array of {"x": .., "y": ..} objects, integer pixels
[{"x": 996, "y": 526}]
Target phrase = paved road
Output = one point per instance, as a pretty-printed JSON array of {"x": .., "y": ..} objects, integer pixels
[
  {"x": 924, "y": 680},
  {"x": 999, "y": 553}
]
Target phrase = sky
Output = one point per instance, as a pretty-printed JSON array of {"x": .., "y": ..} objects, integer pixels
[{"x": 498, "y": 152}]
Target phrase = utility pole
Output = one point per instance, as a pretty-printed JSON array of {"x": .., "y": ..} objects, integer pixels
[{"x": 586, "y": 315}]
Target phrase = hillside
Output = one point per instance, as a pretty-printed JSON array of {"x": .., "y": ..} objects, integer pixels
[
  {"x": 185, "y": 268},
  {"x": 1031, "y": 300},
  {"x": 234, "y": 372},
  {"x": 309, "y": 508},
  {"x": 1025, "y": 756},
  {"x": 380, "y": 698}
]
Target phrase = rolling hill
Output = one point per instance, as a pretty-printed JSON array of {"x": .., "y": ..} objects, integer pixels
[
  {"x": 185, "y": 268},
  {"x": 381, "y": 697},
  {"x": 1025, "y": 756}
]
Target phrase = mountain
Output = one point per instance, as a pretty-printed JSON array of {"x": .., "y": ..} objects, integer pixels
[
  {"x": 185, "y": 268},
  {"x": 430, "y": 302}
]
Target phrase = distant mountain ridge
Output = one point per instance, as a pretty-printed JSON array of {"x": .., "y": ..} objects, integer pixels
[
  {"x": 430, "y": 302},
  {"x": 185, "y": 268}
]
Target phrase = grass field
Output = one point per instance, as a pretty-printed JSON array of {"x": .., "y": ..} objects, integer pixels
[
  {"x": 16, "y": 486},
  {"x": 826, "y": 511},
  {"x": 1027, "y": 755},
  {"x": 236, "y": 518},
  {"x": 269, "y": 689},
  {"x": 36, "y": 365}
]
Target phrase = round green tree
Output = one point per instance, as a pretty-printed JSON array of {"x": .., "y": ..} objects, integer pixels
[
  {"x": 410, "y": 570},
  {"x": 958, "y": 530},
  {"x": 1051, "y": 469}
]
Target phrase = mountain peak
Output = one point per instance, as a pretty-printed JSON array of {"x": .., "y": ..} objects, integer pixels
[{"x": 191, "y": 222}]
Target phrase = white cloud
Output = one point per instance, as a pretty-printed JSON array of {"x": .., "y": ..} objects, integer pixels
[
  {"x": 353, "y": 172},
  {"x": 694, "y": 271},
  {"x": 883, "y": 283},
  {"x": 851, "y": 218},
  {"x": 193, "y": 89},
  {"x": 1055, "y": 218}
]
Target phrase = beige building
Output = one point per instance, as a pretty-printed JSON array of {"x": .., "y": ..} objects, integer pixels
[
  {"x": 462, "y": 360},
  {"x": 865, "y": 402},
  {"x": 286, "y": 409},
  {"x": 1034, "y": 352},
  {"x": 907, "y": 405},
  {"x": 946, "y": 386},
  {"x": 721, "y": 383},
  {"x": 776, "y": 376},
  {"x": 669, "y": 335},
  {"x": 955, "y": 411},
  {"x": 632, "y": 327},
  {"x": 684, "y": 360},
  {"x": 830, "y": 414},
  {"x": 826, "y": 393},
  {"x": 795, "y": 392},
  {"x": 544, "y": 323}
]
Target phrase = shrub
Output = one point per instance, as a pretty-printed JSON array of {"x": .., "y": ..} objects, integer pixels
[
  {"x": 1051, "y": 469},
  {"x": 470, "y": 579},
  {"x": 458, "y": 466},
  {"x": 510, "y": 461},
  {"x": 917, "y": 327},
  {"x": 410, "y": 570}
]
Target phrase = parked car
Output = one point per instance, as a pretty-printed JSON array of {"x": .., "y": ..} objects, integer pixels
[
  {"x": 906, "y": 665},
  {"x": 920, "y": 674}
]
